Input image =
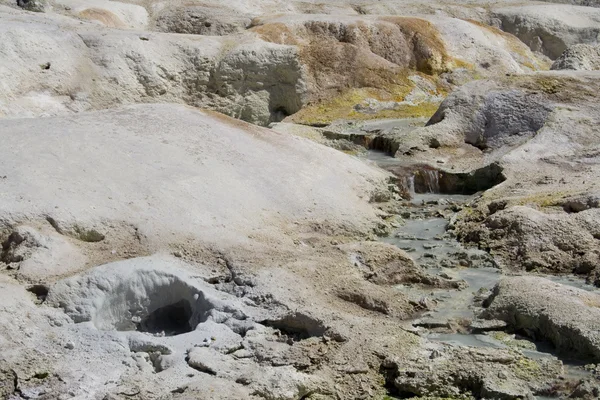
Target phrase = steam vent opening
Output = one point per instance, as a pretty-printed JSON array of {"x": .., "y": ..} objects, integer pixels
[
  {"x": 173, "y": 319},
  {"x": 152, "y": 301}
]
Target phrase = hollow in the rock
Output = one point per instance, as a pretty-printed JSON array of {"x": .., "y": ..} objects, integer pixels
[{"x": 173, "y": 319}]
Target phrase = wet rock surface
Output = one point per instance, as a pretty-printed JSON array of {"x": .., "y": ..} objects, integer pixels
[
  {"x": 470, "y": 373},
  {"x": 543, "y": 310}
]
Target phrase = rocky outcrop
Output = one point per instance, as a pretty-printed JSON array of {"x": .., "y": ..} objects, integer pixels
[
  {"x": 407, "y": 55},
  {"x": 8, "y": 381},
  {"x": 69, "y": 71},
  {"x": 34, "y": 5},
  {"x": 382, "y": 264},
  {"x": 113, "y": 14},
  {"x": 558, "y": 243},
  {"x": 536, "y": 218},
  {"x": 201, "y": 20},
  {"x": 485, "y": 119},
  {"x": 579, "y": 57},
  {"x": 400, "y": 66},
  {"x": 565, "y": 316},
  {"x": 124, "y": 183},
  {"x": 550, "y": 29},
  {"x": 265, "y": 382},
  {"x": 153, "y": 294},
  {"x": 468, "y": 373},
  {"x": 499, "y": 118},
  {"x": 587, "y": 3}
]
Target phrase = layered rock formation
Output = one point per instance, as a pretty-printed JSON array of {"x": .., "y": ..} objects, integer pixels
[{"x": 262, "y": 75}]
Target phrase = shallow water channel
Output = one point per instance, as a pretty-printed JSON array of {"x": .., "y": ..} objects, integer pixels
[{"x": 424, "y": 236}]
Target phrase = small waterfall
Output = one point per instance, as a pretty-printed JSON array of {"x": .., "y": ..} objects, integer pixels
[
  {"x": 410, "y": 184},
  {"x": 407, "y": 185},
  {"x": 426, "y": 181},
  {"x": 414, "y": 179},
  {"x": 432, "y": 180}
]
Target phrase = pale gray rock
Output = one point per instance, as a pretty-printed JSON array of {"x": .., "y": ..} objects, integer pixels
[
  {"x": 485, "y": 48},
  {"x": 151, "y": 294},
  {"x": 587, "y": 3},
  {"x": 171, "y": 160},
  {"x": 40, "y": 256},
  {"x": 253, "y": 82},
  {"x": 271, "y": 289},
  {"x": 482, "y": 325},
  {"x": 34, "y": 5},
  {"x": 261, "y": 75},
  {"x": 497, "y": 118},
  {"x": 113, "y": 14},
  {"x": 550, "y": 29},
  {"x": 579, "y": 57},
  {"x": 564, "y": 243},
  {"x": 7, "y": 381},
  {"x": 283, "y": 382},
  {"x": 587, "y": 389},
  {"x": 466, "y": 372},
  {"x": 53, "y": 71},
  {"x": 582, "y": 202},
  {"x": 132, "y": 181},
  {"x": 201, "y": 20},
  {"x": 565, "y": 316}
]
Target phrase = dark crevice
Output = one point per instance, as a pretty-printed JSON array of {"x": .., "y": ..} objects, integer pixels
[
  {"x": 16, "y": 389},
  {"x": 385, "y": 144},
  {"x": 390, "y": 375},
  {"x": 7, "y": 255},
  {"x": 436, "y": 118},
  {"x": 279, "y": 114},
  {"x": 360, "y": 10},
  {"x": 371, "y": 141},
  {"x": 297, "y": 326},
  {"x": 40, "y": 291},
  {"x": 201, "y": 368},
  {"x": 243, "y": 381},
  {"x": 173, "y": 319},
  {"x": 54, "y": 224}
]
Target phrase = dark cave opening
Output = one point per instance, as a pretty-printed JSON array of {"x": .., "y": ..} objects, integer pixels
[{"x": 173, "y": 319}]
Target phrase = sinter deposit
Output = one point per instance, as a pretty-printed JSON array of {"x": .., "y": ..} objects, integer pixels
[{"x": 286, "y": 200}]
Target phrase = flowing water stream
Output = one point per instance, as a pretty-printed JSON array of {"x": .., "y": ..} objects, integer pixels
[{"x": 424, "y": 236}]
